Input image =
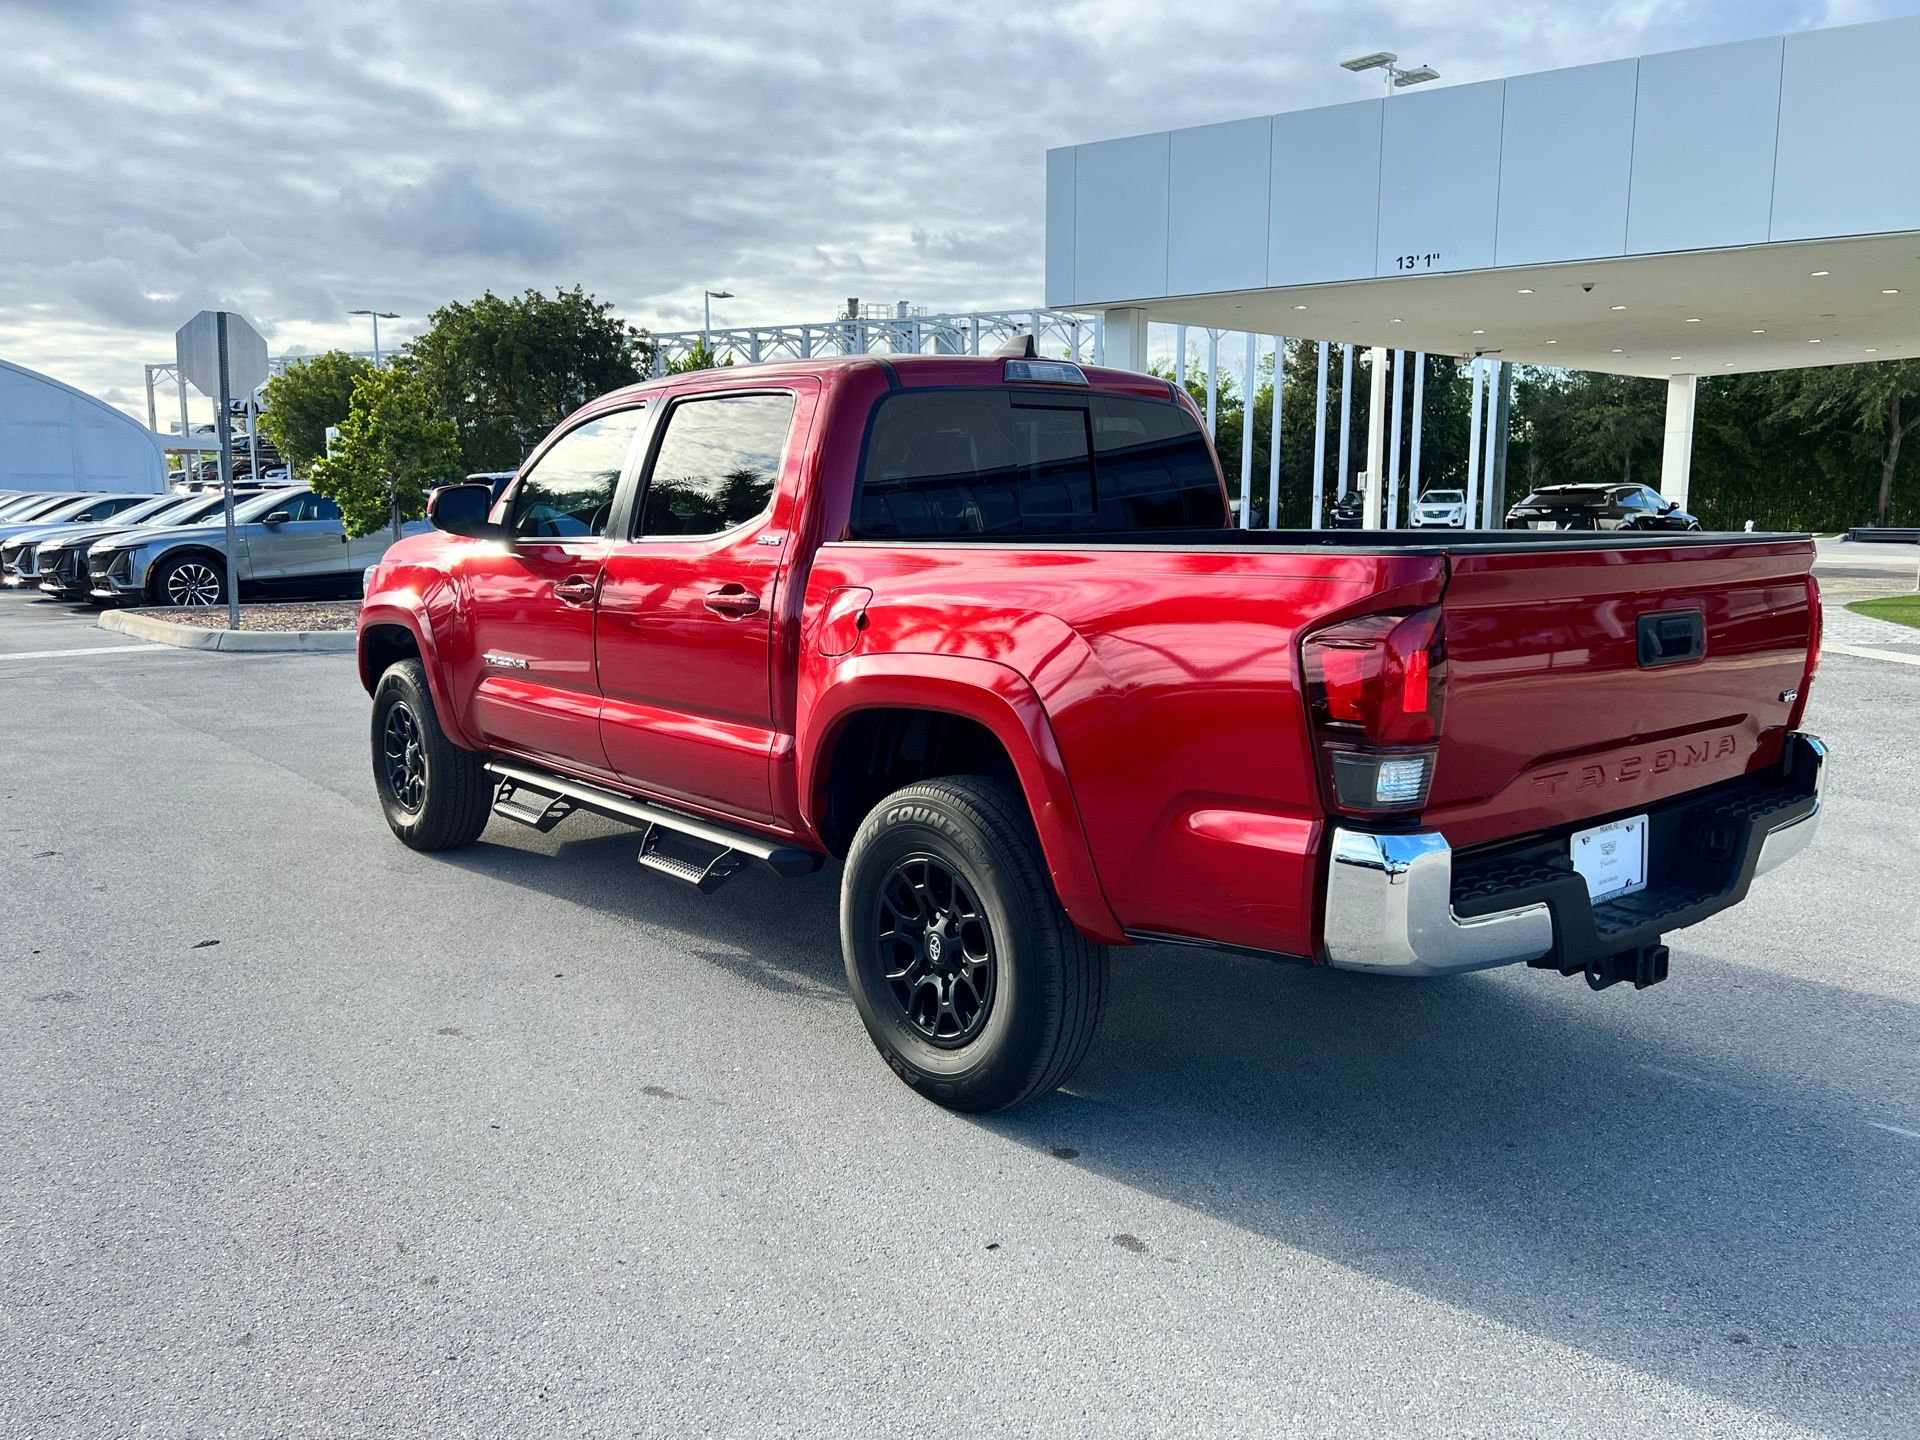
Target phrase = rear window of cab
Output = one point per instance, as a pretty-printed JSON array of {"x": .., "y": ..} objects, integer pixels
[{"x": 1009, "y": 462}]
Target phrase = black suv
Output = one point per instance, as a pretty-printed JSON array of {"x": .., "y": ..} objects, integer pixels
[{"x": 1599, "y": 507}]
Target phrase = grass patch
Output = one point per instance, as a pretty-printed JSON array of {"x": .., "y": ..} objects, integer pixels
[{"x": 1901, "y": 609}]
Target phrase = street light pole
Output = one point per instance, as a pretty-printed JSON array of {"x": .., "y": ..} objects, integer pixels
[
  {"x": 377, "y": 316},
  {"x": 706, "y": 332}
]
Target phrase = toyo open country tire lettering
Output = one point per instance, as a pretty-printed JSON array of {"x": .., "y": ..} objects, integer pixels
[
  {"x": 435, "y": 795},
  {"x": 1001, "y": 1000}
]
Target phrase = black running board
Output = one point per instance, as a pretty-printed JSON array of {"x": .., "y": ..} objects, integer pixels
[{"x": 542, "y": 799}]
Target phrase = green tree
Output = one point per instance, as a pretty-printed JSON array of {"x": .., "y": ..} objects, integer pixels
[
  {"x": 700, "y": 357},
  {"x": 303, "y": 400},
  {"x": 1879, "y": 401},
  {"x": 506, "y": 371},
  {"x": 392, "y": 450},
  {"x": 1572, "y": 426}
]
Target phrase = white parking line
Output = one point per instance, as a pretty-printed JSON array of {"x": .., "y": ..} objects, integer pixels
[
  {"x": 1707, "y": 1084},
  {"x": 88, "y": 650}
]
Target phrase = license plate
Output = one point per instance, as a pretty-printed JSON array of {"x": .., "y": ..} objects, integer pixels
[{"x": 1612, "y": 859}]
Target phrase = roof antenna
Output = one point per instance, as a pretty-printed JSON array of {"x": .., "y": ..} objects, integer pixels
[{"x": 1020, "y": 347}]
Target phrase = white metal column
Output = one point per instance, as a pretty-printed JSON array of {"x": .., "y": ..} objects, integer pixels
[
  {"x": 1376, "y": 435},
  {"x": 1273, "y": 445},
  {"x": 1419, "y": 404},
  {"x": 1676, "y": 457},
  {"x": 1126, "y": 338},
  {"x": 1246, "y": 440},
  {"x": 1393, "y": 452},
  {"x": 1490, "y": 454},
  {"x": 1180, "y": 360},
  {"x": 1341, "y": 478},
  {"x": 1213, "y": 383},
  {"x": 1473, "y": 441},
  {"x": 1320, "y": 444}
]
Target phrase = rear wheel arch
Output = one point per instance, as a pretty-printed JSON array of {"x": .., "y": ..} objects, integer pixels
[{"x": 930, "y": 712}]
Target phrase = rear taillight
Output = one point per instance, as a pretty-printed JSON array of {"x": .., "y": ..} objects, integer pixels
[{"x": 1376, "y": 691}]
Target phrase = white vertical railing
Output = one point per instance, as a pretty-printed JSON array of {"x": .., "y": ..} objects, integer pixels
[
  {"x": 1246, "y": 439},
  {"x": 1393, "y": 453},
  {"x": 1473, "y": 442},
  {"x": 1320, "y": 442},
  {"x": 1419, "y": 405},
  {"x": 1273, "y": 445},
  {"x": 1340, "y": 480},
  {"x": 1213, "y": 381}
]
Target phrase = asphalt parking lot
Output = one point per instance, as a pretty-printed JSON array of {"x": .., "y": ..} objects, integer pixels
[{"x": 305, "y": 1133}]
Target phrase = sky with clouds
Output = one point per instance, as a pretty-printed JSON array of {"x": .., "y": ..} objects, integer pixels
[{"x": 293, "y": 162}]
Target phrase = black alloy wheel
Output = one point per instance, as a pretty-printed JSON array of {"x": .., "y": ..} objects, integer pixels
[
  {"x": 403, "y": 759},
  {"x": 938, "y": 949}
]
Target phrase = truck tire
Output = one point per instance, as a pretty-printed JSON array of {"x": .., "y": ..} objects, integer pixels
[
  {"x": 435, "y": 795},
  {"x": 973, "y": 984}
]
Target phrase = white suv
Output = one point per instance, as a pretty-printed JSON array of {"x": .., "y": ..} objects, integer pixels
[{"x": 1441, "y": 507}]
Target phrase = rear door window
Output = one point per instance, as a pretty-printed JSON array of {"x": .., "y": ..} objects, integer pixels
[
  {"x": 717, "y": 464},
  {"x": 1012, "y": 462}
]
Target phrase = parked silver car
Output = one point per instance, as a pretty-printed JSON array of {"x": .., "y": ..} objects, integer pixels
[
  {"x": 69, "y": 508},
  {"x": 286, "y": 538},
  {"x": 54, "y": 560}
]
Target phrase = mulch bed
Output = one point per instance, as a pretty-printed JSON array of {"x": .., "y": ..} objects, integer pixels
[{"x": 301, "y": 615}]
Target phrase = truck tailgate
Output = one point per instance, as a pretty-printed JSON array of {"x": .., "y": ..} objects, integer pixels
[{"x": 1573, "y": 689}]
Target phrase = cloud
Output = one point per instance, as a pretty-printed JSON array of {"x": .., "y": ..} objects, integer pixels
[
  {"x": 454, "y": 212},
  {"x": 405, "y": 156}
]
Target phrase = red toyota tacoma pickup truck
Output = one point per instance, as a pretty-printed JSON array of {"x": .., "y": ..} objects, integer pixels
[{"x": 982, "y": 629}]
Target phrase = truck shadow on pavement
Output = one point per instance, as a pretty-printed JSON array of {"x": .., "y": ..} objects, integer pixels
[
  {"x": 1646, "y": 1178},
  {"x": 1651, "y": 1179}
]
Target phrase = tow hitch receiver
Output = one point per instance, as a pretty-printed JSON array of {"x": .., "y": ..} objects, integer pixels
[{"x": 1644, "y": 965}]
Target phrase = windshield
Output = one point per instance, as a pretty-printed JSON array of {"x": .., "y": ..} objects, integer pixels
[
  {"x": 1442, "y": 497},
  {"x": 180, "y": 512},
  {"x": 134, "y": 514},
  {"x": 34, "y": 509},
  {"x": 1566, "y": 497},
  {"x": 67, "y": 507}
]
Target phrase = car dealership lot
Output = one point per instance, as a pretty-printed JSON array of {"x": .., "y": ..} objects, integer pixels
[{"x": 306, "y": 1131}]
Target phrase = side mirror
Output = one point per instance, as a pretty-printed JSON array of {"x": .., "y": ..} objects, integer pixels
[
  {"x": 278, "y": 517},
  {"x": 463, "y": 510},
  {"x": 1671, "y": 506}
]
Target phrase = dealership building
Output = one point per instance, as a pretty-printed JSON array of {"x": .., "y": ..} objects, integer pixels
[{"x": 1739, "y": 207}]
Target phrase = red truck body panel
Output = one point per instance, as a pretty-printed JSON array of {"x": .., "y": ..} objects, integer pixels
[{"x": 1149, "y": 695}]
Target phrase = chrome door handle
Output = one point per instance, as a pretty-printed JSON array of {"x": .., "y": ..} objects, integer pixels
[
  {"x": 577, "y": 589},
  {"x": 734, "y": 601}
]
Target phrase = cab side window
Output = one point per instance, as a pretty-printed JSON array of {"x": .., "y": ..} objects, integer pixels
[
  {"x": 568, "y": 493},
  {"x": 717, "y": 465},
  {"x": 310, "y": 507}
]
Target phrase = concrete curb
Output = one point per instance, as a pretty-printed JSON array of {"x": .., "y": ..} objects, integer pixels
[
  {"x": 194, "y": 637},
  {"x": 1862, "y": 652}
]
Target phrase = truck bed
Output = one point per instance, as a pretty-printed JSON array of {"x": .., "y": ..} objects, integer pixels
[{"x": 1170, "y": 671}]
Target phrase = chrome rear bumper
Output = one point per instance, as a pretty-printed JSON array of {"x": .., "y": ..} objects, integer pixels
[{"x": 1390, "y": 898}]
